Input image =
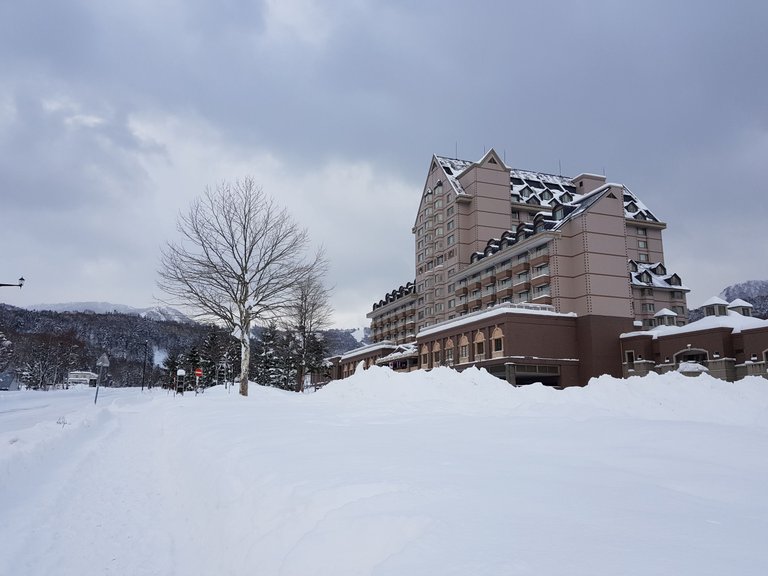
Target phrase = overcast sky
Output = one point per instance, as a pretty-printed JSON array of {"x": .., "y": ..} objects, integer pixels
[{"x": 114, "y": 115}]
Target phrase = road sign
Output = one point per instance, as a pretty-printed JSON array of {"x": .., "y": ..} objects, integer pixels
[{"x": 198, "y": 372}]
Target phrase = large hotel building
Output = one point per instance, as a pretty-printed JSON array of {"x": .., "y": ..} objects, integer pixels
[{"x": 532, "y": 276}]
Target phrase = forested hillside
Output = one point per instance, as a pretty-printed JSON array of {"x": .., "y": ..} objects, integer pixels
[{"x": 44, "y": 346}]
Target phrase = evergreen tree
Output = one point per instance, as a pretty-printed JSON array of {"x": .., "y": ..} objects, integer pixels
[
  {"x": 265, "y": 360},
  {"x": 6, "y": 352},
  {"x": 211, "y": 358},
  {"x": 171, "y": 365}
]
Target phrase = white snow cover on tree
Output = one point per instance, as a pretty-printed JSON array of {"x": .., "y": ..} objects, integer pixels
[{"x": 390, "y": 474}]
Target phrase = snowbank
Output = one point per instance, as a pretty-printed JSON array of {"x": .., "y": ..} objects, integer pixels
[{"x": 390, "y": 474}]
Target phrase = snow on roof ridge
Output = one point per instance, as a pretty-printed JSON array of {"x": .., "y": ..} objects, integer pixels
[
  {"x": 497, "y": 310},
  {"x": 368, "y": 347},
  {"x": 715, "y": 300},
  {"x": 665, "y": 312},
  {"x": 739, "y": 303},
  {"x": 733, "y": 320}
]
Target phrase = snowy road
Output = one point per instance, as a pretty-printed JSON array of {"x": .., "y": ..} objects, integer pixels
[{"x": 432, "y": 475}]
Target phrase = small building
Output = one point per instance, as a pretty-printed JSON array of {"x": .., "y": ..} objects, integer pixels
[{"x": 728, "y": 341}]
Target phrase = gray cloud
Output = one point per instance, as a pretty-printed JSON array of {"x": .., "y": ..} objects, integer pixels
[{"x": 119, "y": 114}]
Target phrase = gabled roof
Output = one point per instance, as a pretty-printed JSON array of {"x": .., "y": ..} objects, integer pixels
[
  {"x": 664, "y": 312},
  {"x": 654, "y": 280},
  {"x": 739, "y": 303},
  {"x": 733, "y": 320},
  {"x": 715, "y": 301}
]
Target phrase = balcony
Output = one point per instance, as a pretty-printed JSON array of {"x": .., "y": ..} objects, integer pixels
[
  {"x": 540, "y": 259},
  {"x": 489, "y": 299},
  {"x": 504, "y": 292},
  {"x": 541, "y": 278},
  {"x": 475, "y": 285},
  {"x": 461, "y": 290},
  {"x": 521, "y": 267},
  {"x": 521, "y": 287}
]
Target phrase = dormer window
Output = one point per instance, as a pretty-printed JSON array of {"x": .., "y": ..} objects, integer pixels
[
  {"x": 566, "y": 198},
  {"x": 645, "y": 277},
  {"x": 632, "y": 266},
  {"x": 660, "y": 270},
  {"x": 631, "y": 207},
  {"x": 546, "y": 195}
]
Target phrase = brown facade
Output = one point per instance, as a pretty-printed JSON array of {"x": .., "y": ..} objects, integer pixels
[
  {"x": 728, "y": 353},
  {"x": 553, "y": 255}
]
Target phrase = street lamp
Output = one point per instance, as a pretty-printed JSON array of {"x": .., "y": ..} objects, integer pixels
[{"x": 19, "y": 284}]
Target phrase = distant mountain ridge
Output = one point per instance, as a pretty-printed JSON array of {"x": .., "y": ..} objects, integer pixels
[
  {"x": 163, "y": 313},
  {"x": 753, "y": 291},
  {"x": 749, "y": 290}
]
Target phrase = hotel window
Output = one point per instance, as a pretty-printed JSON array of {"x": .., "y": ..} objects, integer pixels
[
  {"x": 463, "y": 352},
  {"x": 642, "y": 232},
  {"x": 677, "y": 295},
  {"x": 452, "y": 303},
  {"x": 498, "y": 345},
  {"x": 450, "y": 225},
  {"x": 438, "y": 203},
  {"x": 643, "y": 257},
  {"x": 479, "y": 348},
  {"x": 451, "y": 240},
  {"x": 515, "y": 214},
  {"x": 449, "y": 356},
  {"x": 452, "y": 287},
  {"x": 642, "y": 244},
  {"x": 449, "y": 211},
  {"x": 649, "y": 307},
  {"x": 439, "y": 231}
]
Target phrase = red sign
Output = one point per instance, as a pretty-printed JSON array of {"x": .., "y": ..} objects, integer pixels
[{"x": 198, "y": 372}]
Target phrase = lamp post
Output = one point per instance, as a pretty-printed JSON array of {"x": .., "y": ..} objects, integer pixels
[{"x": 19, "y": 284}]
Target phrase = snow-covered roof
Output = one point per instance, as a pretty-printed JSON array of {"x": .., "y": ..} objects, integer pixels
[
  {"x": 664, "y": 312},
  {"x": 543, "y": 189},
  {"x": 498, "y": 310},
  {"x": 402, "y": 351},
  {"x": 715, "y": 301},
  {"x": 739, "y": 303},
  {"x": 452, "y": 168},
  {"x": 654, "y": 275},
  {"x": 733, "y": 320},
  {"x": 691, "y": 367},
  {"x": 367, "y": 348}
]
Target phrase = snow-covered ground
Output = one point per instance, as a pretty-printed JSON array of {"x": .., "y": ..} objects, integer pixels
[{"x": 423, "y": 474}]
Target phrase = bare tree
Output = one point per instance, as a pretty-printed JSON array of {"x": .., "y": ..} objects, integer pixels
[
  {"x": 308, "y": 312},
  {"x": 238, "y": 261}
]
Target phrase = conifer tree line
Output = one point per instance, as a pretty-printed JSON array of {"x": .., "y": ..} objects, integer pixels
[{"x": 39, "y": 349}]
